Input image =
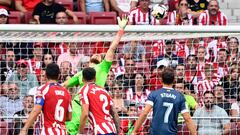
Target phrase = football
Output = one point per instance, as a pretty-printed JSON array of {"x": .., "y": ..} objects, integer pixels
[{"x": 159, "y": 11}]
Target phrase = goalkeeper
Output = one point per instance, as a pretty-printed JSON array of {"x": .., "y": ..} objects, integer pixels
[{"x": 102, "y": 70}]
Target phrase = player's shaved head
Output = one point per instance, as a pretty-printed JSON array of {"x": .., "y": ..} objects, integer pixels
[
  {"x": 168, "y": 76},
  {"x": 89, "y": 74},
  {"x": 52, "y": 71}
]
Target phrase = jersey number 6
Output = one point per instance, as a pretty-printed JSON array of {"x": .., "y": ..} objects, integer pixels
[{"x": 59, "y": 111}]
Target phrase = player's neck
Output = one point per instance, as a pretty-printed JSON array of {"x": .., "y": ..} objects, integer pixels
[
  {"x": 52, "y": 81},
  {"x": 167, "y": 85}
]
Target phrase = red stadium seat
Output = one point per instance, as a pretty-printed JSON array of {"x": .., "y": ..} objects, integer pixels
[
  {"x": 27, "y": 17},
  {"x": 81, "y": 17},
  {"x": 3, "y": 128},
  {"x": 14, "y": 17},
  {"x": 103, "y": 17},
  {"x": 66, "y": 3}
]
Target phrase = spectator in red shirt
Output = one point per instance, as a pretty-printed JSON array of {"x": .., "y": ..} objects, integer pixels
[
  {"x": 212, "y": 16},
  {"x": 25, "y": 5},
  {"x": 6, "y": 4}
]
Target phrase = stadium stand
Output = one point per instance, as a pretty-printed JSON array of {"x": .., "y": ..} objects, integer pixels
[
  {"x": 82, "y": 17},
  {"x": 14, "y": 17},
  {"x": 66, "y": 3},
  {"x": 103, "y": 17}
]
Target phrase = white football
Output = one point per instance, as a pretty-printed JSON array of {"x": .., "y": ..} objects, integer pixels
[{"x": 159, "y": 11}]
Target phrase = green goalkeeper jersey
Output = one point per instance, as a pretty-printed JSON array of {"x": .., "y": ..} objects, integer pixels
[{"x": 102, "y": 70}]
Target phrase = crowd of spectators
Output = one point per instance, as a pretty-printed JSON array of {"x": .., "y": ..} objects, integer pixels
[{"x": 207, "y": 69}]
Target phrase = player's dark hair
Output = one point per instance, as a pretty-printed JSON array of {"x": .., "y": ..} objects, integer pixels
[
  {"x": 208, "y": 92},
  {"x": 168, "y": 76},
  {"x": 88, "y": 74},
  {"x": 52, "y": 71}
]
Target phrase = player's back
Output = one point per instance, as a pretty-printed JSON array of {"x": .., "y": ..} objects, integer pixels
[
  {"x": 167, "y": 103},
  {"x": 100, "y": 103},
  {"x": 57, "y": 104}
]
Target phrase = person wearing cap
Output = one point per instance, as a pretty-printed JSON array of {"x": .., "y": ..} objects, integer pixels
[
  {"x": 24, "y": 80},
  {"x": 3, "y": 16},
  {"x": 169, "y": 59}
]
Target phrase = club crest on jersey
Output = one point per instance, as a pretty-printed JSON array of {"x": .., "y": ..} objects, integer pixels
[{"x": 202, "y": 5}]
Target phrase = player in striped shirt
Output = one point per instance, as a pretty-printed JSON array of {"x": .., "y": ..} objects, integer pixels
[
  {"x": 97, "y": 105},
  {"x": 54, "y": 101},
  {"x": 213, "y": 16}
]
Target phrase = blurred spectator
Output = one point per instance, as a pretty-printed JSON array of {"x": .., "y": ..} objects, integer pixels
[
  {"x": 28, "y": 104},
  {"x": 94, "y": 6},
  {"x": 220, "y": 66},
  {"x": 33, "y": 91},
  {"x": 169, "y": 58},
  {"x": 201, "y": 53},
  {"x": 180, "y": 73},
  {"x": 118, "y": 98},
  {"x": 128, "y": 77},
  {"x": 221, "y": 101},
  {"x": 83, "y": 62},
  {"x": 4, "y": 91},
  {"x": 72, "y": 56},
  {"x": 190, "y": 101},
  {"x": 191, "y": 72},
  {"x": 3, "y": 16},
  {"x": 181, "y": 15},
  {"x": 134, "y": 3},
  {"x": 110, "y": 81},
  {"x": 7, "y": 65},
  {"x": 25, "y": 5},
  {"x": 65, "y": 68},
  {"x": 45, "y": 12},
  {"x": 211, "y": 126},
  {"x": 13, "y": 102},
  {"x": 155, "y": 81},
  {"x": 141, "y": 15},
  {"x": 207, "y": 84},
  {"x": 212, "y": 16},
  {"x": 231, "y": 84},
  {"x": 47, "y": 59},
  {"x": 62, "y": 18},
  {"x": 196, "y": 7},
  {"x": 24, "y": 80},
  {"x": 233, "y": 50},
  {"x": 134, "y": 50},
  {"x": 138, "y": 92},
  {"x": 120, "y": 6},
  {"x": 186, "y": 47},
  {"x": 35, "y": 63},
  {"x": 6, "y": 4}
]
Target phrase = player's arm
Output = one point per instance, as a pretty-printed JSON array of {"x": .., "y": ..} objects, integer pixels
[
  {"x": 32, "y": 117},
  {"x": 83, "y": 118},
  {"x": 226, "y": 129},
  {"x": 190, "y": 124},
  {"x": 73, "y": 81},
  {"x": 141, "y": 118},
  {"x": 116, "y": 119},
  {"x": 122, "y": 23}
]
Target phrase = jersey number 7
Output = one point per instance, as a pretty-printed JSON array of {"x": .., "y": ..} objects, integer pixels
[{"x": 168, "y": 111}]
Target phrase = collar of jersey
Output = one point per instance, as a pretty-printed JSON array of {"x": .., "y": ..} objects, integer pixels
[{"x": 168, "y": 88}]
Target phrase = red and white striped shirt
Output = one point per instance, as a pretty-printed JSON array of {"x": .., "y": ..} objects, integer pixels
[
  {"x": 100, "y": 102},
  {"x": 137, "y": 17},
  {"x": 202, "y": 87},
  {"x": 206, "y": 19},
  {"x": 158, "y": 48},
  {"x": 174, "y": 19}
]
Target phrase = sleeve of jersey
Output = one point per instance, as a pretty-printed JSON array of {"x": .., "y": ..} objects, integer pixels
[
  {"x": 75, "y": 79},
  {"x": 192, "y": 102},
  {"x": 83, "y": 96},
  {"x": 183, "y": 105},
  {"x": 105, "y": 65},
  {"x": 150, "y": 99},
  {"x": 39, "y": 98}
]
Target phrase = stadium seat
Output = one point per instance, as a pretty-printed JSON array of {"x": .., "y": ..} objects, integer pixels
[
  {"x": 103, "y": 18},
  {"x": 27, "y": 17},
  {"x": 66, "y": 3},
  {"x": 14, "y": 17},
  {"x": 3, "y": 128},
  {"x": 81, "y": 17}
]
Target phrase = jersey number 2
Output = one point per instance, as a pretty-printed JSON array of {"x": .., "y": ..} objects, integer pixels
[
  {"x": 168, "y": 111},
  {"x": 105, "y": 104},
  {"x": 59, "y": 111}
]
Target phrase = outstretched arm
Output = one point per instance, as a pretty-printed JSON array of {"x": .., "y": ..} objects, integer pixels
[
  {"x": 122, "y": 24},
  {"x": 116, "y": 119}
]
